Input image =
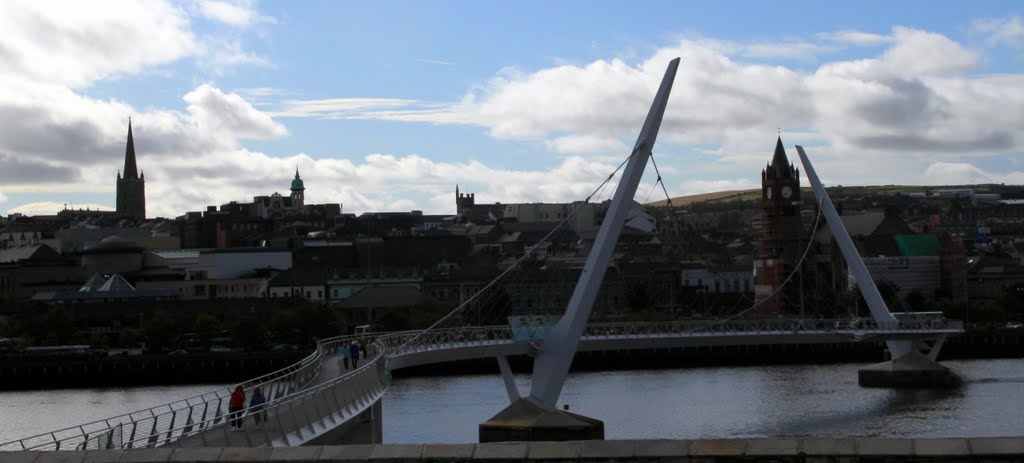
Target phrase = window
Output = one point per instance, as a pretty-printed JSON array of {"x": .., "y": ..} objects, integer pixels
[{"x": 320, "y": 293}]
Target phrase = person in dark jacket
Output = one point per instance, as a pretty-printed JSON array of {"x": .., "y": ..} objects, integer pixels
[
  {"x": 256, "y": 407},
  {"x": 354, "y": 351}
]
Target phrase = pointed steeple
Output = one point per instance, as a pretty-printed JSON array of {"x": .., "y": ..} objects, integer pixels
[
  {"x": 130, "y": 170},
  {"x": 297, "y": 184},
  {"x": 780, "y": 166},
  {"x": 456, "y": 190}
]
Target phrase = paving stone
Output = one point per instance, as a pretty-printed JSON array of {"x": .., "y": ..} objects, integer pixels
[
  {"x": 554, "y": 450},
  {"x": 196, "y": 454},
  {"x": 311, "y": 453},
  {"x": 21, "y": 456},
  {"x": 760, "y": 447},
  {"x": 997, "y": 446},
  {"x": 661, "y": 448},
  {"x": 147, "y": 455},
  {"x": 332, "y": 453},
  {"x": 607, "y": 449},
  {"x": 103, "y": 456},
  {"x": 61, "y": 456},
  {"x": 717, "y": 447},
  {"x": 447, "y": 451},
  {"x": 880, "y": 446},
  {"x": 396, "y": 452},
  {"x": 826, "y": 446},
  {"x": 941, "y": 447},
  {"x": 245, "y": 454},
  {"x": 500, "y": 451}
]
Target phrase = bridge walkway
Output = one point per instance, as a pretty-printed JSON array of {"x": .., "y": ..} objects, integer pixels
[{"x": 272, "y": 427}]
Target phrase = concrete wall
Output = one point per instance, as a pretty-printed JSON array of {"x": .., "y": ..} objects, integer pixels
[{"x": 806, "y": 450}]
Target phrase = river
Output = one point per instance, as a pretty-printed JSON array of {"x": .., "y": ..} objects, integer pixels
[{"x": 794, "y": 400}]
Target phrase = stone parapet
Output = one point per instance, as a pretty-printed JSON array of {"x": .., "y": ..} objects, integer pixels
[{"x": 776, "y": 450}]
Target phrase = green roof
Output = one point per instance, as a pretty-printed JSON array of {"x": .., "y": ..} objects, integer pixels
[{"x": 917, "y": 245}]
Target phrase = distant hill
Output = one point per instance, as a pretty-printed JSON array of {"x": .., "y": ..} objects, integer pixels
[
  {"x": 718, "y": 195},
  {"x": 753, "y": 194}
]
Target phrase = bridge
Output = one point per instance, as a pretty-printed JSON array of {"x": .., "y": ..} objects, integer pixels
[
  {"x": 310, "y": 401},
  {"x": 314, "y": 401}
]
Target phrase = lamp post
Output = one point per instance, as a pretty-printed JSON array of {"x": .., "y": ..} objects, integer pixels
[{"x": 799, "y": 249}]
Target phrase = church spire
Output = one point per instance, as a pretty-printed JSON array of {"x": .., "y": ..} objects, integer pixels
[
  {"x": 780, "y": 166},
  {"x": 130, "y": 170}
]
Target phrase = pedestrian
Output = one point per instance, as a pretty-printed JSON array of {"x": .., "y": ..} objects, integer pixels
[
  {"x": 235, "y": 406},
  {"x": 355, "y": 353},
  {"x": 346, "y": 352},
  {"x": 362, "y": 347},
  {"x": 256, "y": 407}
]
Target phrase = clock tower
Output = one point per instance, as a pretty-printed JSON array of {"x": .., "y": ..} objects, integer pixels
[{"x": 778, "y": 250}]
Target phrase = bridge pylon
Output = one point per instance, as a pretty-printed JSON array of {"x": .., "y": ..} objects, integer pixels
[
  {"x": 914, "y": 357},
  {"x": 535, "y": 417}
]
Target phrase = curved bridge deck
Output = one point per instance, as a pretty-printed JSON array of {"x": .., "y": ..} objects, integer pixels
[{"x": 307, "y": 400}]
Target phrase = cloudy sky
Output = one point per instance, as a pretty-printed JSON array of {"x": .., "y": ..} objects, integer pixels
[{"x": 385, "y": 106}]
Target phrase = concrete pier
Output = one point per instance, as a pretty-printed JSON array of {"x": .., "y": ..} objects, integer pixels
[
  {"x": 524, "y": 420},
  {"x": 913, "y": 370}
]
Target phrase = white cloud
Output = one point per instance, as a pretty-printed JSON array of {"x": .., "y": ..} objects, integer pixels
[
  {"x": 788, "y": 50},
  {"x": 587, "y": 143},
  {"x": 332, "y": 108},
  {"x": 3, "y": 199},
  {"x": 1004, "y": 31},
  {"x": 239, "y": 13},
  {"x": 76, "y": 43},
  {"x": 855, "y": 37},
  {"x": 52, "y": 207},
  {"x": 230, "y": 114}
]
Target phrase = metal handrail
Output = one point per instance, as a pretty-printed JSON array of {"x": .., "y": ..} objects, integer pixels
[{"x": 280, "y": 382}]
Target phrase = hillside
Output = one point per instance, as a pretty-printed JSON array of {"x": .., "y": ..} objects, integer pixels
[{"x": 753, "y": 194}]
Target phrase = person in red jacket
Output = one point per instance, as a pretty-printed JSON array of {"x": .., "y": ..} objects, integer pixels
[{"x": 235, "y": 406}]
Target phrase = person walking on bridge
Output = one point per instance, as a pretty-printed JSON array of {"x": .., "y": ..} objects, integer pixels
[
  {"x": 235, "y": 406},
  {"x": 346, "y": 352},
  {"x": 354, "y": 352},
  {"x": 256, "y": 407}
]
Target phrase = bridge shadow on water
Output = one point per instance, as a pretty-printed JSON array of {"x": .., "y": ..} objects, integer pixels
[{"x": 874, "y": 412}]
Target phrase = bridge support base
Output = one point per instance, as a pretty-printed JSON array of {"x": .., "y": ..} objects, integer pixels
[
  {"x": 913, "y": 370},
  {"x": 524, "y": 420}
]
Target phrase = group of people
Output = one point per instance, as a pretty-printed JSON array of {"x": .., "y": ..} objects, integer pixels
[
  {"x": 350, "y": 353},
  {"x": 237, "y": 404}
]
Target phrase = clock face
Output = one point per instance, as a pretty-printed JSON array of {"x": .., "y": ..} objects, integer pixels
[
  {"x": 787, "y": 192},
  {"x": 769, "y": 193}
]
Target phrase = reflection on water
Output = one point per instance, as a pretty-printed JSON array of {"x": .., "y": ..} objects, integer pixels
[
  {"x": 27, "y": 413},
  {"x": 801, "y": 400}
]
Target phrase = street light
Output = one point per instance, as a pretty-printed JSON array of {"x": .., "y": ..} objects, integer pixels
[{"x": 800, "y": 254}]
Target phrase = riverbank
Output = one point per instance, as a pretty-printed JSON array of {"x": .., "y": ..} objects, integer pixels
[
  {"x": 41, "y": 372},
  {"x": 975, "y": 345},
  {"x": 75, "y": 371}
]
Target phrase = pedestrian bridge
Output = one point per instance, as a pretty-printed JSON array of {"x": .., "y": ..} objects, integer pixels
[{"x": 317, "y": 399}]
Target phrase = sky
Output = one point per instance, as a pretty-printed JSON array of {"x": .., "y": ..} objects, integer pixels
[{"x": 387, "y": 106}]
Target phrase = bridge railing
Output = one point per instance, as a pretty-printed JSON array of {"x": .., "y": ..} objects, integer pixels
[
  {"x": 291, "y": 419},
  {"x": 127, "y": 430}
]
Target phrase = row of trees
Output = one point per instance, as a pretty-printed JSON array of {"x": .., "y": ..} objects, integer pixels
[{"x": 298, "y": 325}]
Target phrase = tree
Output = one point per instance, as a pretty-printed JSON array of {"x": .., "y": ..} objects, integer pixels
[
  {"x": 159, "y": 330},
  {"x": 59, "y": 326},
  {"x": 915, "y": 301},
  {"x": 129, "y": 337},
  {"x": 889, "y": 291},
  {"x": 206, "y": 327},
  {"x": 250, "y": 333}
]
